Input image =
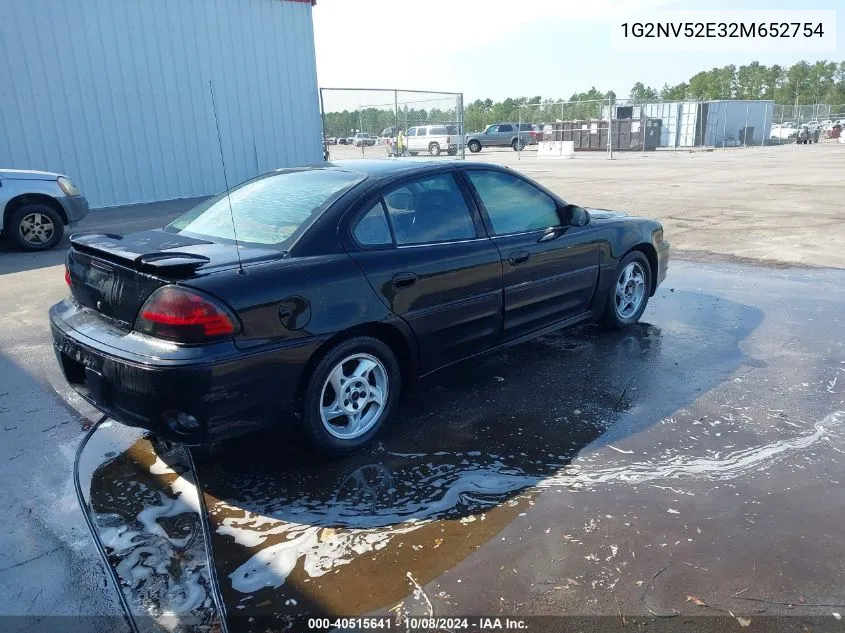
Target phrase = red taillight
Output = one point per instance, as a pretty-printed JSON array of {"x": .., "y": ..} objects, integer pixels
[
  {"x": 67, "y": 276},
  {"x": 186, "y": 316}
]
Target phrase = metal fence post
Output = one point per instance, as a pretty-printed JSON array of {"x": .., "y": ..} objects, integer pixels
[
  {"x": 609, "y": 127},
  {"x": 461, "y": 131},
  {"x": 763, "y": 131},
  {"x": 745, "y": 129},
  {"x": 643, "y": 122},
  {"x": 323, "y": 119},
  {"x": 519, "y": 134}
]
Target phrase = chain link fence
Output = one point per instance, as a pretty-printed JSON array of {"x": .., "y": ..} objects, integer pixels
[
  {"x": 803, "y": 114},
  {"x": 364, "y": 123}
]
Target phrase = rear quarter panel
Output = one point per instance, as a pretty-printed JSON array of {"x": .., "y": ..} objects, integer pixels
[{"x": 320, "y": 295}]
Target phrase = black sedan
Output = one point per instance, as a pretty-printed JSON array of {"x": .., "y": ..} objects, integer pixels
[{"x": 314, "y": 294}]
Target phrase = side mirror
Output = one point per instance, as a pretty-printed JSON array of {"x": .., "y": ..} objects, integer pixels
[{"x": 576, "y": 215}]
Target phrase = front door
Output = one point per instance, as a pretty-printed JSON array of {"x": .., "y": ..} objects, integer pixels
[
  {"x": 504, "y": 135},
  {"x": 425, "y": 254},
  {"x": 549, "y": 268}
]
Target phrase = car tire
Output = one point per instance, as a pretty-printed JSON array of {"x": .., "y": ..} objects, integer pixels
[
  {"x": 36, "y": 221},
  {"x": 319, "y": 401},
  {"x": 627, "y": 297},
  {"x": 434, "y": 149},
  {"x": 517, "y": 145},
  {"x": 474, "y": 147}
]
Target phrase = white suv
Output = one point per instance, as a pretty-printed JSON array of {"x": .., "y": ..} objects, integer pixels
[{"x": 433, "y": 139}]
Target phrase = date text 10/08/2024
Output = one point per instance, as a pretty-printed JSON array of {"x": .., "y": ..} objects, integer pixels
[
  {"x": 418, "y": 623},
  {"x": 722, "y": 29}
]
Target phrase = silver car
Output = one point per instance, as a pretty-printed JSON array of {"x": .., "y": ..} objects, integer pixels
[{"x": 37, "y": 205}]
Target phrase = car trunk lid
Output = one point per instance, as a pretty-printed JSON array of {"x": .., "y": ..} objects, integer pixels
[{"x": 114, "y": 275}]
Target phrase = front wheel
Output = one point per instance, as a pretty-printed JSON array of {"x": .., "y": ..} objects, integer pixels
[
  {"x": 474, "y": 147},
  {"x": 36, "y": 227},
  {"x": 628, "y": 294},
  {"x": 351, "y": 395}
]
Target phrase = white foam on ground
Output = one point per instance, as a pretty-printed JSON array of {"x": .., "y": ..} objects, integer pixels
[{"x": 469, "y": 485}]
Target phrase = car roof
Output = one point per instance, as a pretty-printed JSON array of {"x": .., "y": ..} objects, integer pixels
[{"x": 384, "y": 167}]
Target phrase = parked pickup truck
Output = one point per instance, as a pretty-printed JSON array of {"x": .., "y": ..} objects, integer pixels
[{"x": 501, "y": 135}]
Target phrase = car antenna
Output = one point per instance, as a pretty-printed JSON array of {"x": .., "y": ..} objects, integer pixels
[{"x": 226, "y": 178}]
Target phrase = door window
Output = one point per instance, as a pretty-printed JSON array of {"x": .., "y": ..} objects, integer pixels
[
  {"x": 372, "y": 229},
  {"x": 429, "y": 210},
  {"x": 505, "y": 128},
  {"x": 513, "y": 205},
  {"x": 422, "y": 131}
]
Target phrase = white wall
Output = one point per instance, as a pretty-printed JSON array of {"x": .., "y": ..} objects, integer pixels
[{"x": 115, "y": 93}]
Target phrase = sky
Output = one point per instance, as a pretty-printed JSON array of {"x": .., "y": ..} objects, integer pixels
[{"x": 496, "y": 49}]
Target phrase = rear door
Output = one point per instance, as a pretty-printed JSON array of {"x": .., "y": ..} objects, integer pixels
[
  {"x": 422, "y": 246},
  {"x": 549, "y": 268}
]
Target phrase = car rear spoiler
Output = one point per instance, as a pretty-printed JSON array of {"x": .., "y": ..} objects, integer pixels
[{"x": 109, "y": 246}]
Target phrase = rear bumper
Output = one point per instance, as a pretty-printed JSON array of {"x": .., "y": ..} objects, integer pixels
[
  {"x": 75, "y": 208},
  {"x": 229, "y": 391}
]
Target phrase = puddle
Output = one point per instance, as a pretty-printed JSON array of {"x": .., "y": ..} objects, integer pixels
[
  {"x": 147, "y": 515},
  {"x": 472, "y": 451}
]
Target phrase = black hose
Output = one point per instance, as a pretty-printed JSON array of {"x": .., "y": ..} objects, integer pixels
[
  {"x": 212, "y": 568},
  {"x": 127, "y": 612}
]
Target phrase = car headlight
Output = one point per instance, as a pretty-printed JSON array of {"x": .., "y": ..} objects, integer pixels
[{"x": 68, "y": 187}]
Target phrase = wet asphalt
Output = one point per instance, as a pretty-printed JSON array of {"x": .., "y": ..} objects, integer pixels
[{"x": 689, "y": 466}]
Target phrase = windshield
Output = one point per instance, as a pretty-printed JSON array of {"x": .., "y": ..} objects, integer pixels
[{"x": 268, "y": 209}]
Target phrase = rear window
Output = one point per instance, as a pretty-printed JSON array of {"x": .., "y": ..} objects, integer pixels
[{"x": 268, "y": 209}]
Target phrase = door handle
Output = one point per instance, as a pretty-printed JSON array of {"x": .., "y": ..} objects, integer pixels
[
  {"x": 520, "y": 257},
  {"x": 404, "y": 280}
]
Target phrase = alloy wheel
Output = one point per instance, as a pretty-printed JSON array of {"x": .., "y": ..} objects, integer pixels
[
  {"x": 630, "y": 290},
  {"x": 36, "y": 228},
  {"x": 354, "y": 396}
]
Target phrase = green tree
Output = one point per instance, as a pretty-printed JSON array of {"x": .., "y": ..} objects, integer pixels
[{"x": 641, "y": 92}]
